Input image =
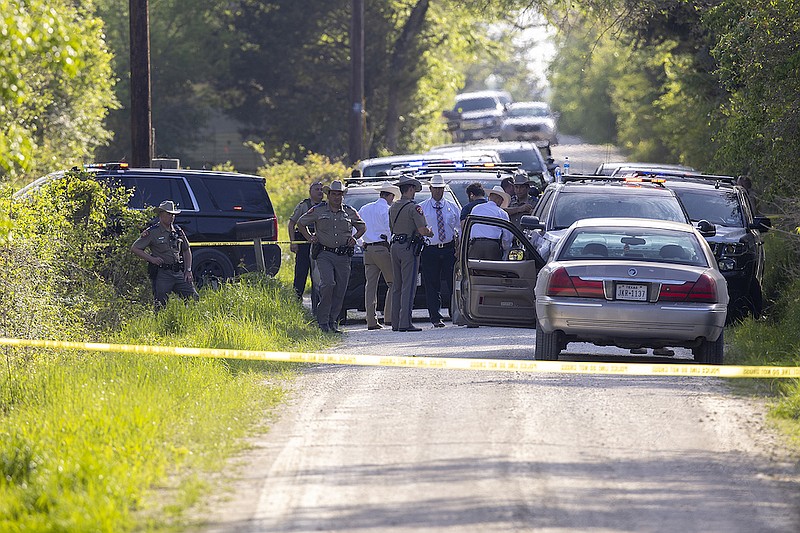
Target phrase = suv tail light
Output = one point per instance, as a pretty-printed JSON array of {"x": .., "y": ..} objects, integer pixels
[
  {"x": 702, "y": 290},
  {"x": 562, "y": 284}
]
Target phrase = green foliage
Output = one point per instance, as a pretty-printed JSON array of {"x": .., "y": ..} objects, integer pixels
[
  {"x": 67, "y": 269},
  {"x": 288, "y": 182},
  {"x": 87, "y": 439},
  {"x": 55, "y": 85}
]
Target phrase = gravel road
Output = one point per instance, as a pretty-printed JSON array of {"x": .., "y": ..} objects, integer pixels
[{"x": 374, "y": 449}]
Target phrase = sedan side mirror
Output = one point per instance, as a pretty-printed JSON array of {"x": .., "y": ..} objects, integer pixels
[
  {"x": 706, "y": 228},
  {"x": 530, "y": 222}
]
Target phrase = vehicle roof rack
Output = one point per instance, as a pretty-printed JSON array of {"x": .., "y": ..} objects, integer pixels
[
  {"x": 676, "y": 175},
  {"x": 585, "y": 178},
  {"x": 462, "y": 166}
]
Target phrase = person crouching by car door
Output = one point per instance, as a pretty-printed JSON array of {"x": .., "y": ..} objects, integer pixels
[
  {"x": 332, "y": 246},
  {"x": 170, "y": 256}
]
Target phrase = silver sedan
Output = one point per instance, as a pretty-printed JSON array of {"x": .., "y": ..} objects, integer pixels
[{"x": 635, "y": 284}]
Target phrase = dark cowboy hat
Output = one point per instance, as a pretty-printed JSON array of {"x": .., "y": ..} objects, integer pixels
[{"x": 408, "y": 180}]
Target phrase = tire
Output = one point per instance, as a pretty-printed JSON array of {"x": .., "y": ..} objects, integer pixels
[
  {"x": 548, "y": 345},
  {"x": 211, "y": 267},
  {"x": 711, "y": 352}
]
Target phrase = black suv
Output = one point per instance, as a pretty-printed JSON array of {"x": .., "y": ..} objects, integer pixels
[
  {"x": 218, "y": 210},
  {"x": 737, "y": 244},
  {"x": 577, "y": 197}
]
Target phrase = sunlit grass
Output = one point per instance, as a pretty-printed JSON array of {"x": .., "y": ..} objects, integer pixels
[{"x": 118, "y": 442}]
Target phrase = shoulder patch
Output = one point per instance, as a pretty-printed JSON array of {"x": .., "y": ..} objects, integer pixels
[{"x": 419, "y": 210}]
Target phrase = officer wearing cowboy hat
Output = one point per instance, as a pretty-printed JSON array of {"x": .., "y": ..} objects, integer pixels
[
  {"x": 523, "y": 201},
  {"x": 408, "y": 225},
  {"x": 169, "y": 255},
  {"x": 377, "y": 257},
  {"x": 332, "y": 243},
  {"x": 439, "y": 256},
  {"x": 489, "y": 242}
]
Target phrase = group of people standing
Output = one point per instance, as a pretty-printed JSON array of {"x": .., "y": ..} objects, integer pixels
[{"x": 401, "y": 239}]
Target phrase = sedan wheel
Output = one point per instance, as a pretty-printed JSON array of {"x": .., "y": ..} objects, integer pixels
[
  {"x": 710, "y": 352},
  {"x": 548, "y": 345}
]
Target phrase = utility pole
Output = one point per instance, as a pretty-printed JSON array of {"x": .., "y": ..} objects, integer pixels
[
  {"x": 141, "y": 103},
  {"x": 357, "y": 111}
]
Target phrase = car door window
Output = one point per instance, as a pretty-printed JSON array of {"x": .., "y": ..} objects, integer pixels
[{"x": 149, "y": 191}]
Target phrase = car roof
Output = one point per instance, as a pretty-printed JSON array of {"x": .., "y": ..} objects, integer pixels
[
  {"x": 397, "y": 158},
  {"x": 482, "y": 94}
]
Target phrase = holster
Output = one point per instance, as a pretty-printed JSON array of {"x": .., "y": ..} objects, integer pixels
[
  {"x": 316, "y": 248},
  {"x": 152, "y": 270},
  {"x": 416, "y": 244}
]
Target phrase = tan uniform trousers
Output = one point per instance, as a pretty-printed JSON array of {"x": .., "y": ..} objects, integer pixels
[{"x": 377, "y": 261}]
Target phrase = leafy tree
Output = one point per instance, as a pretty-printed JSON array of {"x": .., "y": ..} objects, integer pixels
[{"x": 55, "y": 85}]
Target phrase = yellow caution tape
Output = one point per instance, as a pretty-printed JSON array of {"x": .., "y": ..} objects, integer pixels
[
  {"x": 497, "y": 365},
  {"x": 244, "y": 243}
]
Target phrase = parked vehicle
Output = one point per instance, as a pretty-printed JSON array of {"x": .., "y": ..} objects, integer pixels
[
  {"x": 577, "y": 197},
  {"x": 530, "y": 121},
  {"x": 477, "y": 115},
  {"x": 634, "y": 284},
  {"x": 737, "y": 243},
  {"x": 216, "y": 207},
  {"x": 609, "y": 169}
]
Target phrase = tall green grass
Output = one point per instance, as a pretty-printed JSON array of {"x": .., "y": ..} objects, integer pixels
[{"x": 90, "y": 442}]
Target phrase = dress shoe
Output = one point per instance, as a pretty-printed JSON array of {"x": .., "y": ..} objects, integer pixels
[
  {"x": 376, "y": 326},
  {"x": 438, "y": 324},
  {"x": 412, "y": 328}
]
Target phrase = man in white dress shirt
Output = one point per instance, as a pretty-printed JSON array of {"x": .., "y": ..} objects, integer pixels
[
  {"x": 490, "y": 242},
  {"x": 439, "y": 255},
  {"x": 377, "y": 258}
]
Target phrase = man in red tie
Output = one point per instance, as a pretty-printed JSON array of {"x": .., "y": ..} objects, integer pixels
[{"x": 439, "y": 256}]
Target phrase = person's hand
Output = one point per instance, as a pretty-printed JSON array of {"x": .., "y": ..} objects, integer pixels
[
  {"x": 526, "y": 208},
  {"x": 157, "y": 260},
  {"x": 351, "y": 241},
  {"x": 293, "y": 248},
  {"x": 188, "y": 276}
]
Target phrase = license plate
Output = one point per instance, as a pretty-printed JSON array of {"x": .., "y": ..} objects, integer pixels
[{"x": 628, "y": 291}]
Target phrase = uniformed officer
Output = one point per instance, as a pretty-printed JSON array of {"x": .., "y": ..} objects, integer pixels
[
  {"x": 408, "y": 225},
  {"x": 169, "y": 254},
  {"x": 522, "y": 202},
  {"x": 302, "y": 250},
  {"x": 332, "y": 245},
  {"x": 439, "y": 256}
]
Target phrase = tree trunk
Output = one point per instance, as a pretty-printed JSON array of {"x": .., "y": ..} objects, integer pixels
[{"x": 398, "y": 68}]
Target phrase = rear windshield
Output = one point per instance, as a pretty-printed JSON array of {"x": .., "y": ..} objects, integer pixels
[
  {"x": 530, "y": 162},
  {"x": 718, "y": 207},
  {"x": 573, "y": 206},
  {"x": 359, "y": 199},
  {"x": 475, "y": 104},
  {"x": 241, "y": 195},
  {"x": 459, "y": 186},
  {"x": 648, "y": 244}
]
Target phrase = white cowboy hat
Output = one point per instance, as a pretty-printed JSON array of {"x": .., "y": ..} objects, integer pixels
[
  {"x": 437, "y": 181},
  {"x": 336, "y": 185},
  {"x": 168, "y": 206},
  {"x": 388, "y": 187},
  {"x": 498, "y": 190}
]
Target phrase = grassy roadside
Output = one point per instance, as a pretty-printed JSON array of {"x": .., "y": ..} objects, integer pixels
[{"x": 87, "y": 438}]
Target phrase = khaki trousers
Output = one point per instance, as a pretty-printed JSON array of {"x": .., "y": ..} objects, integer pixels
[{"x": 377, "y": 261}]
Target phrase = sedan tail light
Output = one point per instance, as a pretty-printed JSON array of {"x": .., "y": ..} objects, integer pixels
[
  {"x": 702, "y": 290},
  {"x": 562, "y": 284}
]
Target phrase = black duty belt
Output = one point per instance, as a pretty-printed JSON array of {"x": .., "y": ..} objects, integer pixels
[
  {"x": 338, "y": 250},
  {"x": 485, "y": 239},
  {"x": 443, "y": 245},
  {"x": 376, "y": 243},
  {"x": 175, "y": 267},
  {"x": 400, "y": 238}
]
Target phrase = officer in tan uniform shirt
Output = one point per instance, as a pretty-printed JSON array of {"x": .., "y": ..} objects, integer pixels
[
  {"x": 169, "y": 253},
  {"x": 409, "y": 226},
  {"x": 332, "y": 245}
]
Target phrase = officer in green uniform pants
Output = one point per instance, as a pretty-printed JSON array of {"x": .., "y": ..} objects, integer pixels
[
  {"x": 169, "y": 253},
  {"x": 409, "y": 226},
  {"x": 332, "y": 245}
]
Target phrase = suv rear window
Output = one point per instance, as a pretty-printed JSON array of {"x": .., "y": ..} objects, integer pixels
[
  {"x": 149, "y": 191},
  {"x": 247, "y": 196},
  {"x": 476, "y": 104}
]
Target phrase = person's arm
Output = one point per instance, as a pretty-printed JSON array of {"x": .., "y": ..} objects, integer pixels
[
  {"x": 138, "y": 249},
  {"x": 186, "y": 253},
  {"x": 291, "y": 227},
  {"x": 302, "y": 225}
]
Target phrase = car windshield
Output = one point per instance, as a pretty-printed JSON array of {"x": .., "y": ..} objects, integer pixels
[
  {"x": 640, "y": 244},
  {"x": 529, "y": 111},
  {"x": 718, "y": 207},
  {"x": 579, "y": 205},
  {"x": 530, "y": 163},
  {"x": 475, "y": 104}
]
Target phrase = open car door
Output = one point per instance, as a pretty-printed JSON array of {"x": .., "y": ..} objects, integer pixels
[{"x": 496, "y": 293}]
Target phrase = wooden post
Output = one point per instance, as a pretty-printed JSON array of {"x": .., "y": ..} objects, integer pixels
[
  {"x": 141, "y": 104},
  {"x": 357, "y": 111}
]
